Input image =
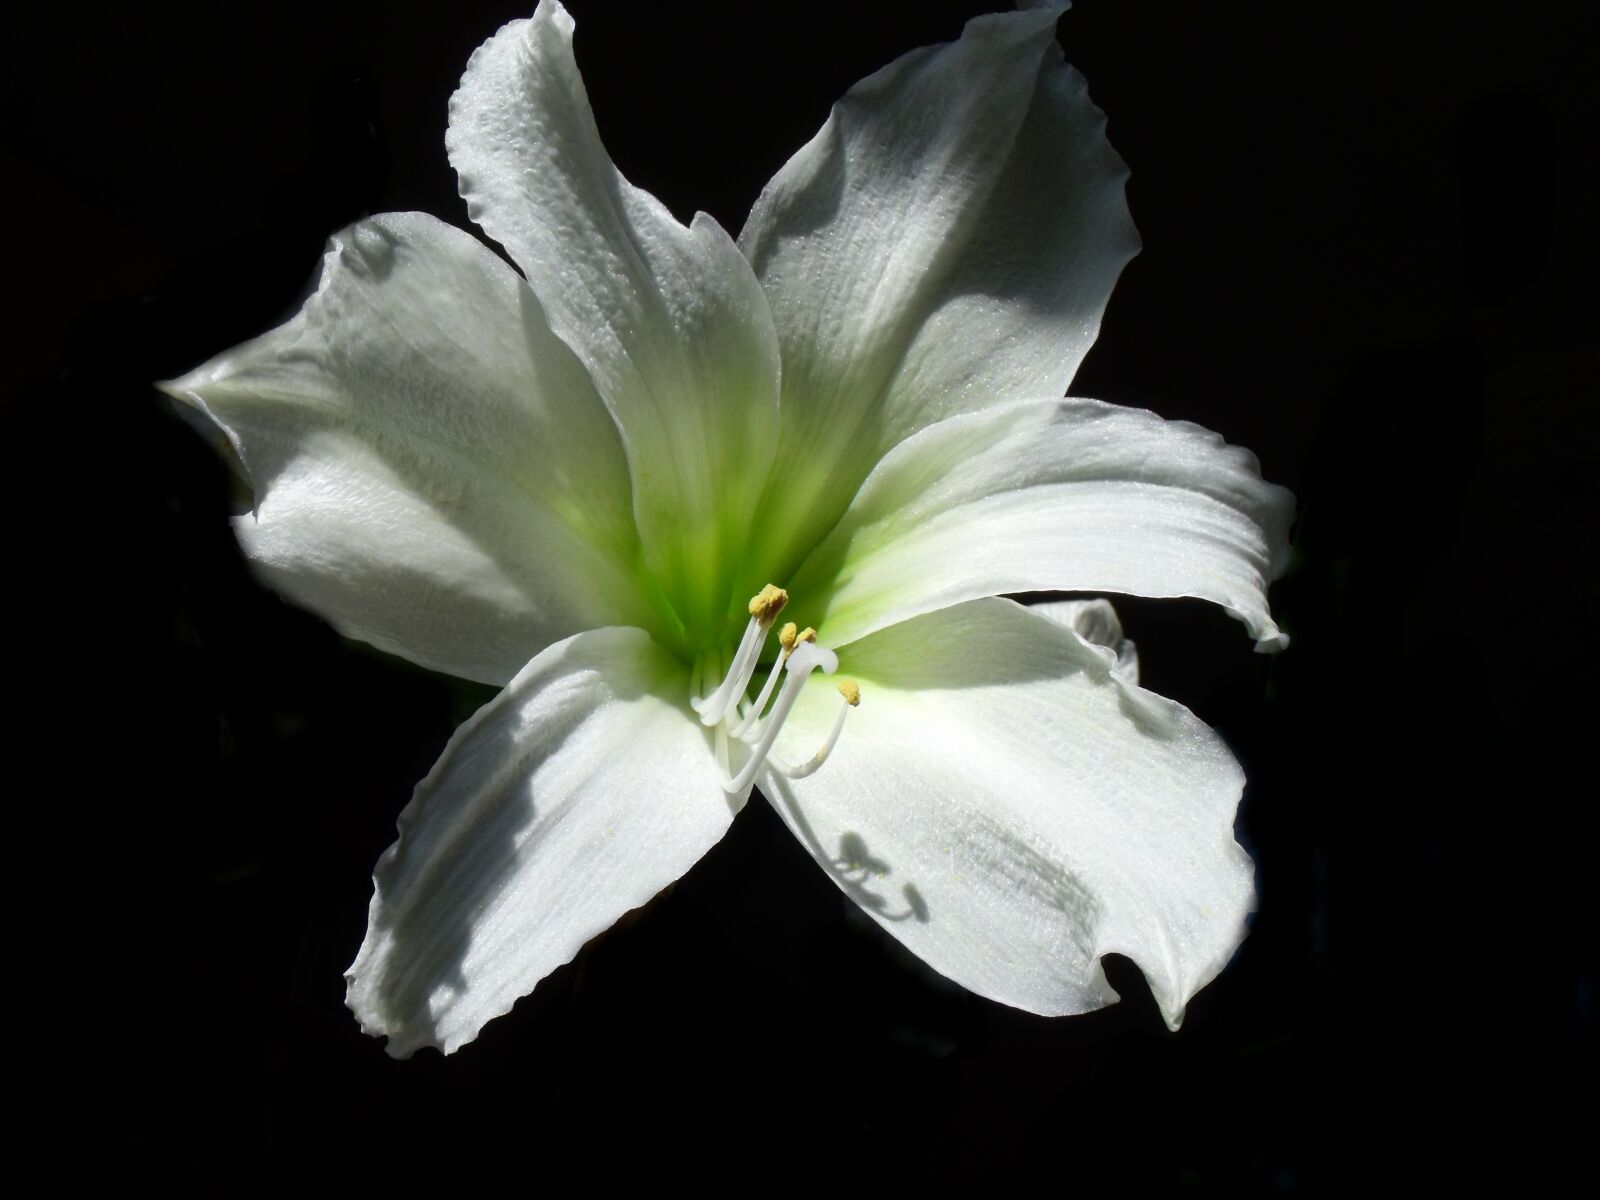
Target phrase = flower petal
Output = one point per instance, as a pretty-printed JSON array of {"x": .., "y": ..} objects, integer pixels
[
  {"x": 433, "y": 471},
  {"x": 1010, "y": 809},
  {"x": 947, "y": 242},
  {"x": 577, "y": 794},
  {"x": 1065, "y": 495},
  {"x": 1097, "y": 623},
  {"x": 670, "y": 320}
]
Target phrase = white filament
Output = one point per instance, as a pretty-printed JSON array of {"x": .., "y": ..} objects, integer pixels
[
  {"x": 821, "y": 756},
  {"x": 806, "y": 658},
  {"x": 715, "y": 706},
  {"x": 754, "y": 713}
]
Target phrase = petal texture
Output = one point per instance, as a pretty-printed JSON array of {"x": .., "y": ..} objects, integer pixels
[
  {"x": 669, "y": 319},
  {"x": 1097, "y": 623},
  {"x": 1065, "y": 495},
  {"x": 433, "y": 471},
  {"x": 1010, "y": 809},
  {"x": 574, "y": 796},
  {"x": 947, "y": 242}
]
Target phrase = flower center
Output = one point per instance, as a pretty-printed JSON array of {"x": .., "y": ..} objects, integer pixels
[{"x": 755, "y": 724}]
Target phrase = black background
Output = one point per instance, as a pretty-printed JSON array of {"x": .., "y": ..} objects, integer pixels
[{"x": 1369, "y": 256}]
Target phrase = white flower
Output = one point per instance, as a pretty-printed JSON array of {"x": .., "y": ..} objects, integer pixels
[{"x": 571, "y": 482}]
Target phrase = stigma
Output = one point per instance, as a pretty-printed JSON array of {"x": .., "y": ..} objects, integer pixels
[{"x": 757, "y": 724}]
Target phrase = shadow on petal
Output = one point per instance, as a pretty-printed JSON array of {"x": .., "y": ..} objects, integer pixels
[
  {"x": 853, "y": 866},
  {"x": 464, "y": 837}
]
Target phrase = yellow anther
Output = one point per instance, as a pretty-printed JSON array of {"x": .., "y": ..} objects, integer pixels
[
  {"x": 850, "y": 691},
  {"x": 768, "y": 603},
  {"x": 789, "y": 638}
]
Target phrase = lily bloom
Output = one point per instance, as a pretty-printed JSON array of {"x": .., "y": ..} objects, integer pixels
[{"x": 586, "y": 482}]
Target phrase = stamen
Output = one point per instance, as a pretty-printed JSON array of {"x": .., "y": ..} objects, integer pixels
[
  {"x": 723, "y": 760},
  {"x": 851, "y": 692},
  {"x": 764, "y": 606},
  {"x": 806, "y": 658},
  {"x": 754, "y": 714},
  {"x": 788, "y": 639}
]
